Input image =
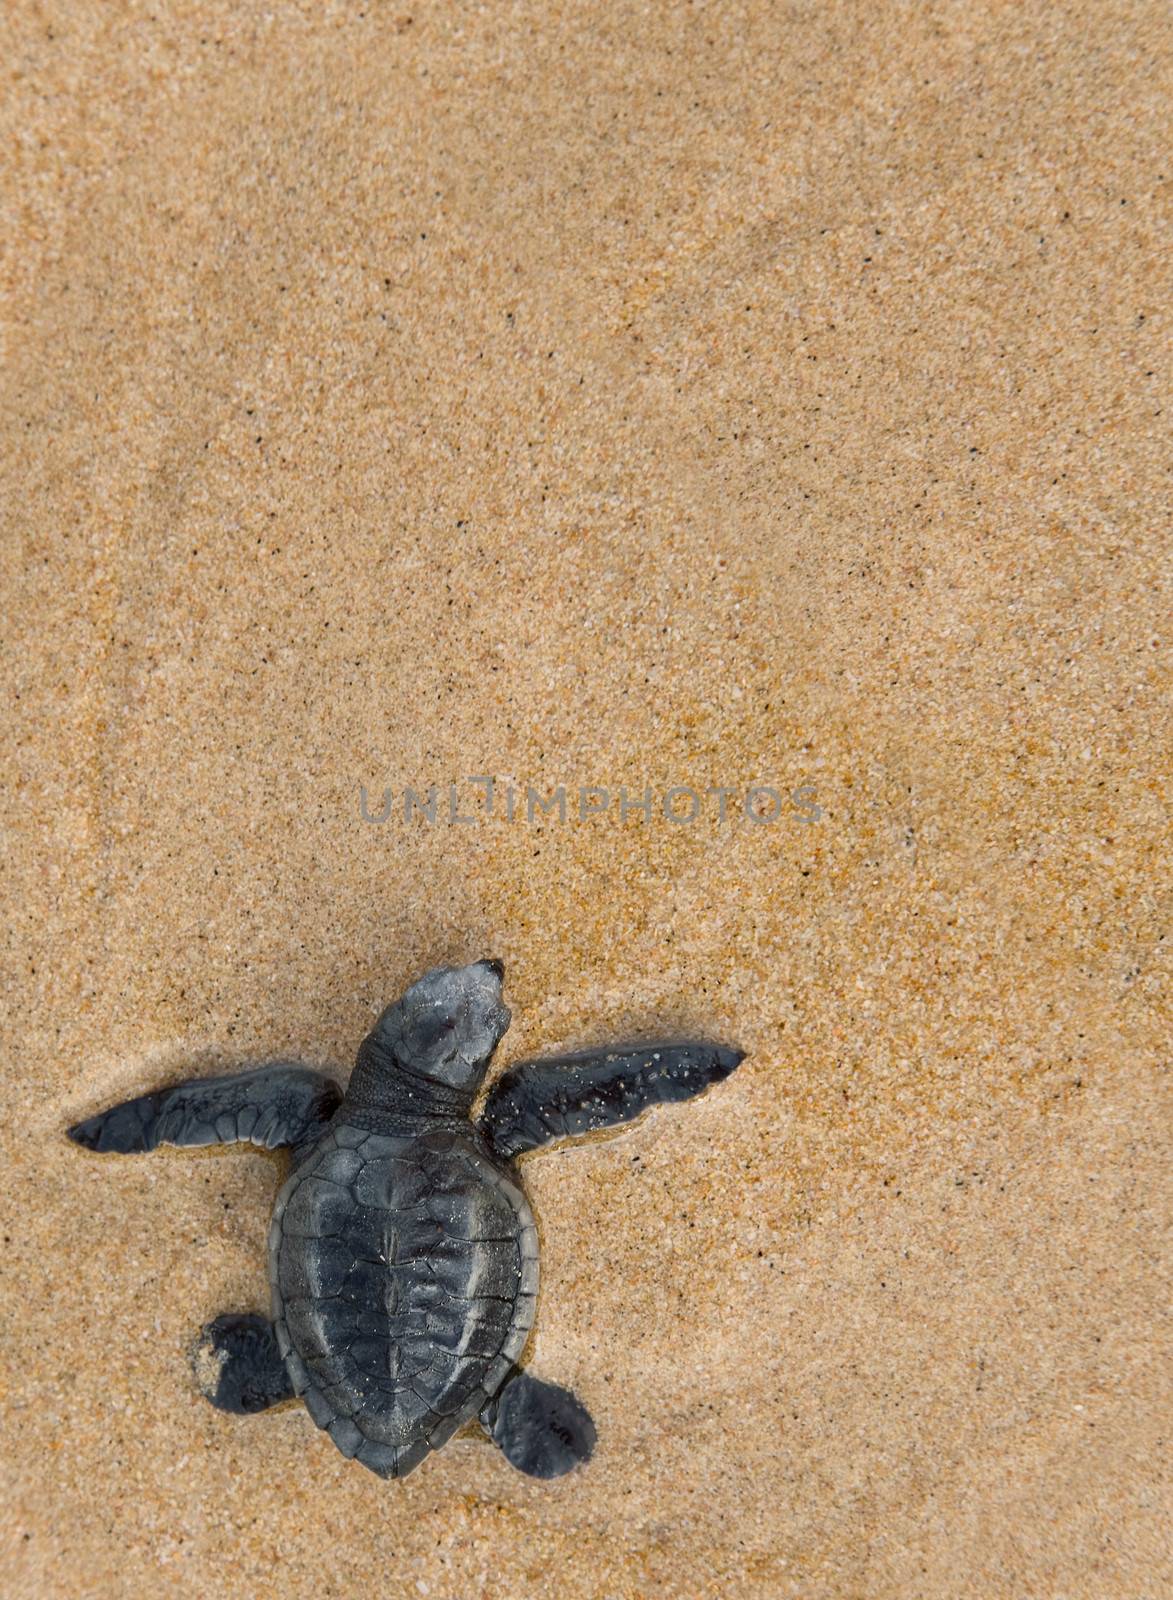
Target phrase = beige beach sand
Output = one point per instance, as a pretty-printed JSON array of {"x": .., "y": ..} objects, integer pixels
[{"x": 614, "y": 395}]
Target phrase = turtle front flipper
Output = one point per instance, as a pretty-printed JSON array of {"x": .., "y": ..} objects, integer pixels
[
  {"x": 238, "y": 1366},
  {"x": 538, "y": 1101},
  {"x": 540, "y": 1429},
  {"x": 281, "y": 1104}
]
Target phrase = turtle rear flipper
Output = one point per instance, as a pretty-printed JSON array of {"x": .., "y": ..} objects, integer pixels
[
  {"x": 541, "y": 1429},
  {"x": 274, "y": 1106},
  {"x": 238, "y": 1366},
  {"x": 537, "y": 1101}
]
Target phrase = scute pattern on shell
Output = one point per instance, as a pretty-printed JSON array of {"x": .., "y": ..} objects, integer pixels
[{"x": 404, "y": 1276}]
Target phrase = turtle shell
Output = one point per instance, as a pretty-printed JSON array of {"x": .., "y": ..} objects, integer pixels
[{"x": 404, "y": 1273}]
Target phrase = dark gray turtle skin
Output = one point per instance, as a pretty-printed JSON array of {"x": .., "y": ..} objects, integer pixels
[{"x": 403, "y": 1256}]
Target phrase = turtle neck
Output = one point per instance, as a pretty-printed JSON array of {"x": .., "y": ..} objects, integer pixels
[{"x": 384, "y": 1091}]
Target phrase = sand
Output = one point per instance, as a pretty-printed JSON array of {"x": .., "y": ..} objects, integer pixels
[{"x": 622, "y": 396}]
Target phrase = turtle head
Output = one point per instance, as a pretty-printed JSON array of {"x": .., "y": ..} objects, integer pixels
[{"x": 445, "y": 1028}]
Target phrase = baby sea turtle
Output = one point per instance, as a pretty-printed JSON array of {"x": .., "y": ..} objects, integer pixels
[{"x": 403, "y": 1257}]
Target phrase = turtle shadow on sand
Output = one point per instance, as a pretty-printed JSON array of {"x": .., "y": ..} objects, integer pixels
[{"x": 403, "y": 1257}]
